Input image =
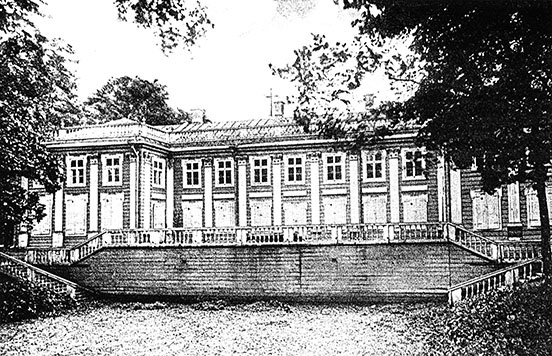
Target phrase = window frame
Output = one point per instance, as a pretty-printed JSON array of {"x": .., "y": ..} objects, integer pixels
[
  {"x": 268, "y": 170},
  {"x": 69, "y": 180},
  {"x": 105, "y": 169},
  {"x": 287, "y": 166},
  {"x": 421, "y": 176},
  {"x": 185, "y": 171},
  {"x": 162, "y": 172},
  {"x": 325, "y": 164},
  {"x": 218, "y": 169},
  {"x": 365, "y": 161}
]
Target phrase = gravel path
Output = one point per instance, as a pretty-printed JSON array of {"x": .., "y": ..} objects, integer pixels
[{"x": 263, "y": 328}]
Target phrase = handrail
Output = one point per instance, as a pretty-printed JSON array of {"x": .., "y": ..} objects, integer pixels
[
  {"x": 494, "y": 280},
  {"x": 481, "y": 245},
  {"x": 38, "y": 270}
]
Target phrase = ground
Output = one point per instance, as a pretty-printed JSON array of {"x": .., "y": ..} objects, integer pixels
[{"x": 262, "y": 328}]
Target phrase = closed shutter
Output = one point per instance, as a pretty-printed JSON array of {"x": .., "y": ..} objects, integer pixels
[
  {"x": 414, "y": 207},
  {"x": 533, "y": 211},
  {"x": 375, "y": 208},
  {"x": 44, "y": 227},
  {"x": 295, "y": 212},
  {"x": 192, "y": 213},
  {"x": 261, "y": 212},
  {"x": 479, "y": 211},
  {"x": 75, "y": 214},
  {"x": 493, "y": 209},
  {"x": 335, "y": 210},
  {"x": 225, "y": 214},
  {"x": 159, "y": 208},
  {"x": 111, "y": 206}
]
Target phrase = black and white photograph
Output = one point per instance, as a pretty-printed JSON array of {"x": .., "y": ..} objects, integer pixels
[{"x": 275, "y": 177}]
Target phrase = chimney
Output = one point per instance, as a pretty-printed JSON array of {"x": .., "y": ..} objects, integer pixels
[
  {"x": 197, "y": 116},
  {"x": 279, "y": 108}
]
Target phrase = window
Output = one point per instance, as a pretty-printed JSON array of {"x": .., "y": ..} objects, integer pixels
[
  {"x": 192, "y": 173},
  {"x": 112, "y": 169},
  {"x": 260, "y": 171},
  {"x": 486, "y": 210},
  {"x": 374, "y": 166},
  {"x": 413, "y": 164},
  {"x": 76, "y": 171},
  {"x": 334, "y": 168},
  {"x": 295, "y": 169},
  {"x": 533, "y": 210},
  {"x": 223, "y": 172},
  {"x": 158, "y": 172}
]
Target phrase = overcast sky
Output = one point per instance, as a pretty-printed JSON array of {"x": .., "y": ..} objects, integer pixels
[{"x": 227, "y": 74}]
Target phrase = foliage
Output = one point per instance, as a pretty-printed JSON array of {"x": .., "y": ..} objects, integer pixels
[
  {"x": 36, "y": 96},
  {"x": 176, "y": 22},
  {"x": 133, "y": 98},
  {"x": 21, "y": 300},
  {"x": 515, "y": 321},
  {"x": 326, "y": 76}
]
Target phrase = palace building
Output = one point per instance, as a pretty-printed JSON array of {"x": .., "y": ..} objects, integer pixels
[{"x": 127, "y": 175}]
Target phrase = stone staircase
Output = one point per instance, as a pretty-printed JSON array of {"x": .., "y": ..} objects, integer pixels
[{"x": 21, "y": 270}]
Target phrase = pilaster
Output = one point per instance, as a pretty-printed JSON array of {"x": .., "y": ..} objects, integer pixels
[
  {"x": 394, "y": 198},
  {"x": 354, "y": 189},
  {"x": 208, "y": 192},
  {"x": 133, "y": 179},
  {"x": 242, "y": 191},
  {"x": 146, "y": 190},
  {"x": 277, "y": 189},
  {"x": 170, "y": 193},
  {"x": 314, "y": 159},
  {"x": 94, "y": 203}
]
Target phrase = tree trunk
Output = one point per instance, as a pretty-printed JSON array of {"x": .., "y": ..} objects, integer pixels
[{"x": 544, "y": 227}]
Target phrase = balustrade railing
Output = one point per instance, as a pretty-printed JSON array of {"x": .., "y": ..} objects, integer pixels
[
  {"x": 24, "y": 271},
  {"x": 494, "y": 280},
  {"x": 472, "y": 241},
  {"x": 518, "y": 251}
]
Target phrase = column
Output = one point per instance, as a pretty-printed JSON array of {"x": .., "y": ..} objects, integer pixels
[
  {"x": 23, "y": 237},
  {"x": 455, "y": 196},
  {"x": 208, "y": 192},
  {"x": 242, "y": 191},
  {"x": 57, "y": 237},
  {"x": 170, "y": 194},
  {"x": 146, "y": 190},
  {"x": 94, "y": 204},
  {"x": 133, "y": 185},
  {"x": 277, "y": 189},
  {"x": 394, "y": 198},
  {"x": 514, "y": 217},
  {"x": 354, "y": 189},
  {"x": 441, "y": 189},
  {"x": 314, "y": 159}
]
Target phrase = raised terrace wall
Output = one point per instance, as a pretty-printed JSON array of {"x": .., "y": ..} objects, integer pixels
[{"x": 325, "y": 273}]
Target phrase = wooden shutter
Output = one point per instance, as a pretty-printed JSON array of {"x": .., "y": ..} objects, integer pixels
[
  {"x": 414, "y": 207},
  {"x": 192, "y": 213},
  {"x": 159, "y": 208},
  {"x": 225, "y": 214},
  {"x": 261, "y": 212},
  {"x": 44, "y": 227},
  {"x": 111, "y": 206},
  {"x": 295, "y": 212},
  {"x": 75, "y": 214},
  {"x": 335, "y": 210},
  {"x": 479, "y": 217},
  {"x": 533, "y": 211},
  {"x": 374, "y": 208},
  {"x": 493, "y": 211}
]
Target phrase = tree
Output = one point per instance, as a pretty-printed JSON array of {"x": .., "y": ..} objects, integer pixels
[
  {"x": 36, "y": 97},
  {"x": 133, "y": 98},
  {"x": 486, "y": 89}
]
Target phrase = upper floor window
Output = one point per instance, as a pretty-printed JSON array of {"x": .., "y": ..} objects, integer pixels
[
  {"x": 76, "y": 171},
  {"x": 112, "y": 169},
  {"x": 223, "y": 172},
  {"x": 192, "y": 173},
  {"x": 374, "y": 166},
  {"x": 295, "y": 169},
  {"x": 260, "y": 170},
  {"x": 334, "y": 170},
  {"x": 413, "y": 164},
  {"x": 158, "y": 172}
]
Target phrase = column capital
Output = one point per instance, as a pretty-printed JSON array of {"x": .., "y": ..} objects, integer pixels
[
  {"x": 314, "y": 156},
  {"x": 353, "y": 157},
  {"x": 277, "y": 158},
  {"x": 242, "y": 160},
  {"x": 94, "y": 159},
  {"x": 394, "y": 152},
  {"x": 207, "y": 162}
]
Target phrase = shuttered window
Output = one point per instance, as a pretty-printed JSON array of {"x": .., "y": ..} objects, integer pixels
[{"x": 486, "y": 210}]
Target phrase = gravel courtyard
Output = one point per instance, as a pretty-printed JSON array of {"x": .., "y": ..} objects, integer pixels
[{"x": 262, "y": 328}]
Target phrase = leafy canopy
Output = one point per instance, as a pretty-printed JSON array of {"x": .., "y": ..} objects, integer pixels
[{"x": 133, "y": 98}]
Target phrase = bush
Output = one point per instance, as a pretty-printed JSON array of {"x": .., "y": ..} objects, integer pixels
[
  {"x": 516, "y": 321},
  {"x": 21, "y": 300}
]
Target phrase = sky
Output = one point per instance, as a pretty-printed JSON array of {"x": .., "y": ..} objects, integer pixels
[{"x": 227, "y": 73}]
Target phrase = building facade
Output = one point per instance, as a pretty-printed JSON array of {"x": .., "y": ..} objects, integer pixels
[{"x": 127, "y": 175}]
